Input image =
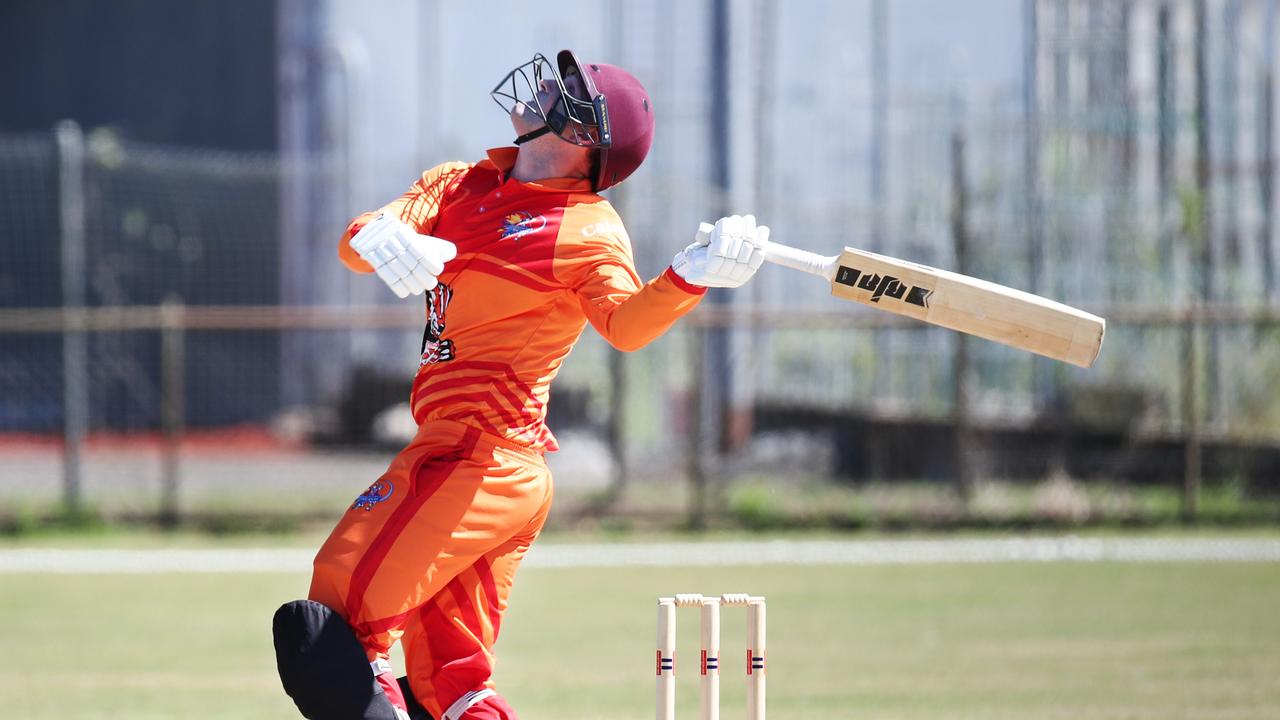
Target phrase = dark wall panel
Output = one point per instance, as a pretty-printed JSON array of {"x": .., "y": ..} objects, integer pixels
[{"x": 185, "y": 72}]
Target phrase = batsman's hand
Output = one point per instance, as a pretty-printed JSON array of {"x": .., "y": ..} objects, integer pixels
[
  {"x": 724, "y": 255},
  {"x": 407, "y": 262}
]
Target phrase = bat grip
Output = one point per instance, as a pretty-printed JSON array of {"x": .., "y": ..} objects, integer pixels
[
  {"x": 787, "y": 256},
  {"x": 801, "y": 260}
]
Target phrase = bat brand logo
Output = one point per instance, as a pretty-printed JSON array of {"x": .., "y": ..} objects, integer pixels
[{"x": 883, "y": 285}]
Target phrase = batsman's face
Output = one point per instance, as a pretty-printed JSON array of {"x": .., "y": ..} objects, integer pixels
[
  {"x": 524, "y": 114},
  {"x": 525, "y": 118}
]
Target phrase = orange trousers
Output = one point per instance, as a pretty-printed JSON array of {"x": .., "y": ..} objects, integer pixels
[{"x": 428, "y": 554}]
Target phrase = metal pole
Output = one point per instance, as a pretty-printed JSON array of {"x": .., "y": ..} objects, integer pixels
[
  {"x": 294, "y": 35},
  {"x": 695, "y": 468},
  {"x": 961, "y": 413},
  {"x": 1165, "y": 124},
  {"x": 1191, "y": 416},
  {"x": 1202, "y": 259},
  {"x": 1266, "y": 151},
  {"x": 615, "y": 429},
  {"x": 616, "y": 424},
  {"x": 173, "y": 405},
  {"x": 719, "y": 368},
  {"x": 75, "y": 355},
  {"x": 879, "y": 68},
  {"x": 713, "y": 372},
  {"x": 1042, "y": 378}
]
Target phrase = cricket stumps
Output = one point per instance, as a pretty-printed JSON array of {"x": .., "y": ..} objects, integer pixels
[{"x": 709, "y": 666}]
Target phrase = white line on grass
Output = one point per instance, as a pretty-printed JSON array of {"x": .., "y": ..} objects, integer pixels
[{"x": 688, "y": 554}]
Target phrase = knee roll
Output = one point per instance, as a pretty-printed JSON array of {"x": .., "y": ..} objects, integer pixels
[{"x": 323, "y": 667}]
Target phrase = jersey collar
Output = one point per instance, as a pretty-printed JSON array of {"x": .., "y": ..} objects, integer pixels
[{"x": 502, "y": 159}]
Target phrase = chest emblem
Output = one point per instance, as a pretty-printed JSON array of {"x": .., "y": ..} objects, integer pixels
[{"x": 520, "y": 223}]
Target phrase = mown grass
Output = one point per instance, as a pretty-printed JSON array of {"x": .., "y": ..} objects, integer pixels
[{"x": 1024, "y": 641}]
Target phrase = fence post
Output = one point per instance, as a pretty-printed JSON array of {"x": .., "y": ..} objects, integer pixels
[
  {"x": 1191, "y": 414},
  {"x": 616, "y": 428},
  {"x": 173, "y": 405},
  {"x": 1203, "y": 262},
  {"x": 961, "y": 415},
  {"x": 75, "y": 353},
  {"x": 699, "y": 400}
]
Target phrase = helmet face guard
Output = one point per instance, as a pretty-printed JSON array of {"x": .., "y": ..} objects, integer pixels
[{"x": 586, "y": 118}]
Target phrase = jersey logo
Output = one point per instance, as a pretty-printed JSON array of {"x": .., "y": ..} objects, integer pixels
[
  {"x": 604, "y": 227},
  {"x": 377, "y": 492},
  {"x": 435, "y": 348},
  {"x": 520, "y": 223}
]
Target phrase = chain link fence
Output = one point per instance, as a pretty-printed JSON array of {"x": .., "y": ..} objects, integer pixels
[{"x": 155, "y": 361}]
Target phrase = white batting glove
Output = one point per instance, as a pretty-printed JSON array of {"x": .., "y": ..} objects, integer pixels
[
  {"x": 407, "y": 262},
  {"x": 724, "y": 255}
]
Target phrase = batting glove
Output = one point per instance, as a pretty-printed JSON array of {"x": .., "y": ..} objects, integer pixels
[
  {"x": 407, "y": 262},
  {"x": 724, "y": 255}
]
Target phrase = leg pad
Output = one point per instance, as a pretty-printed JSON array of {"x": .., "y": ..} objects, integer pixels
[{"x": 323, "y": 667}]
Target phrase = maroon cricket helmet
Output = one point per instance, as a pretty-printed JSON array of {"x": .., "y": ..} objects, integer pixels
[
  {"x": 615, "y": 117},
  {"x": 623, "y": 115}
]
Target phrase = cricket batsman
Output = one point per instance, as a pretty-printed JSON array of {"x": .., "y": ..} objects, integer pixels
[{"x": 514, "y": 255}]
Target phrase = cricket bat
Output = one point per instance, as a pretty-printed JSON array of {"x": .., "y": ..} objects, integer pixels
[{"x": 958, "y": 302}]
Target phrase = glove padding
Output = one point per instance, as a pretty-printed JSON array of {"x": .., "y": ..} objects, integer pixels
[
  {"x": 407, "y": 262},
  {"x": 724, "y": 255}
]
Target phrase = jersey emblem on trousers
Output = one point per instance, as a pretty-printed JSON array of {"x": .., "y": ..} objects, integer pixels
[{"x": 377, "y": 492}]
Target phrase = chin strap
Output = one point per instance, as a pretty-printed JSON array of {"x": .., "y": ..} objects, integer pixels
[
  {"x": 533, "y": 135},
  {"x": 554, "y": 119}
]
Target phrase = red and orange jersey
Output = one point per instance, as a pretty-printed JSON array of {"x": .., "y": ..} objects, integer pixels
[{"x": 536, "y": 262}]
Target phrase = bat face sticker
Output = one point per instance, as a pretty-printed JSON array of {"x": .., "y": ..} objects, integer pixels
[{"x": 883, "y": 286}]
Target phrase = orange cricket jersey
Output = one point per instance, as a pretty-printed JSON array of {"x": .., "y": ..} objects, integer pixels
[{"x": 536, "y": 262}]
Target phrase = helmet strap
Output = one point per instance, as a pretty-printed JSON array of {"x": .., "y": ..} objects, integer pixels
[
  {"x": 533, "y": 135},
  {"x": 555, "y": 120}
]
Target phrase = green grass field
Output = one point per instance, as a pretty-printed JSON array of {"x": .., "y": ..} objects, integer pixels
[{"x": 1016, "y": 641}]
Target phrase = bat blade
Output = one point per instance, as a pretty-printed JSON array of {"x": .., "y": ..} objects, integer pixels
[{"x": 969, "y": 305}]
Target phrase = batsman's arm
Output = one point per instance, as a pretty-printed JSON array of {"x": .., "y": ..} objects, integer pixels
[
  {"x": 418, "y": 207},
  {"x": 598, "y": 267}
]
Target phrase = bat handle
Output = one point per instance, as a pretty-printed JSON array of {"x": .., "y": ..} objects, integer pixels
[
  {"x": 802, "y": 260},
  {"x": 787, "y": 256}
]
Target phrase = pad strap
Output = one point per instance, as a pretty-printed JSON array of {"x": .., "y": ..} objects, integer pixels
[{"x": 465, "y": 702}]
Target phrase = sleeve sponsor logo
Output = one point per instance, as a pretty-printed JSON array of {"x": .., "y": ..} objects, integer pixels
[
  {"x": 883, "y": 286},
  {"x": 604, "y": 227}
]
